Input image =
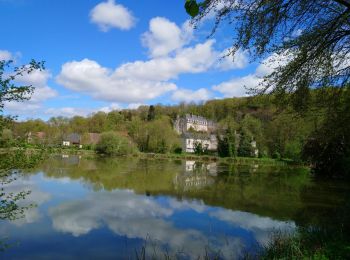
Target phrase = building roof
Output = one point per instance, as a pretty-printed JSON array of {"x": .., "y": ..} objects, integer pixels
[
  {"x": 198, "y": 118},
  {"x": 194, "y": 117},
  {"x": 73, "y": 138},
  {"x": 202, "y": 136}
]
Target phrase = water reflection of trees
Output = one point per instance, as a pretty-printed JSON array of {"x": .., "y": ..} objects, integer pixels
[
  {"x": 241, "y": 192},
  {"x": 272, "y": 191},
  {"x": 10, "y": 201}
]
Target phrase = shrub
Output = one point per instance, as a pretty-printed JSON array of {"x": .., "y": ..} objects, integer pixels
[
  {"x": 114, "y": 144},
  {"x": 293, "y": 150},
  {"x": 178, "y": 150},
  {"x": 276, "y": 155}
]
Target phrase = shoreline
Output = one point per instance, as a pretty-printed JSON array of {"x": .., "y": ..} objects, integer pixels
[{"x": 187, "y": 156}]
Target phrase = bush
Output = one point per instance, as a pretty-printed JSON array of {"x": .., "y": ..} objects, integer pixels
[
  {"x": 276, "y": 155},
  {"x": 114, "y": 144},
  {"x": 6, "y": 138},
  {"x": 156, "y": 136},
  {"x": 293, "y": 150},
  {"x": 178, "y": 150}
]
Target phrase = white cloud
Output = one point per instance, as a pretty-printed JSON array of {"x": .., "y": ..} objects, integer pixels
[
  {"x": 108, "y": 15},
  {"x": 38, "y": 79},
  {"x": 165, "y": 36},
  {"x": 272, "y": 62},
  {"x": 79, "y": 111},
  {"x": 42, "y": 92},
  {"x": 188, "y": 96},
  {"x": 239, "y": 61},
  {"x": 237, "y": 87},
  {"x": 142, "y": 217},
  {"x": 89, "y": 77},
  {"x": 188, "y": 60},
  {"x": 135, "y": 105},
  {"x": 145, "y": 217},
  {"x": 35, "y": 197},
  {"x": 111, "y": 107},
  {"x": 5, "y": 55},
  {"x": 139, "y": 81},
  {"x": 261, "y": 227},
  {"x": 68, "y": 111}
]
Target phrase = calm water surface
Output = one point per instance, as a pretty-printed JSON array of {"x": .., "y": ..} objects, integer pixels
[{"x": 113, "y": 208}]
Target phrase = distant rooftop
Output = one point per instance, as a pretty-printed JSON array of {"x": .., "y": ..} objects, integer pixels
[{"x": 198, "y": 118}]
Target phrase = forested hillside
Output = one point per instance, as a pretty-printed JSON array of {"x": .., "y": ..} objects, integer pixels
[{"x": 279, "y": 130}]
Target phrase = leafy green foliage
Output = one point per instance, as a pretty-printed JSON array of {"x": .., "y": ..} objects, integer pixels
[
  {"x": 9, "y": 90},
  {"x": 245, "y": 147},
  {"x": 199, "y": 148},
  {"x": 157, "y": 136},
  {"x": 309, "y": 44},
  {"x": 311, "y": 36},
  {"x": 6, "y": 138},
  {"x": 112, "y": 144},
  {"x": 11, "y": 165},
  {"x": 227, "y": 143},
  {"x": 151, "y": 113},
  {"x": 192, "y": 8},
  {"x": 306, "y": 244},
  {"x": 328, "y": 147}
]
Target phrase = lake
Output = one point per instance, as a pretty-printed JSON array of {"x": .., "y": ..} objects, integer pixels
[{"x": 125, "y": 208}]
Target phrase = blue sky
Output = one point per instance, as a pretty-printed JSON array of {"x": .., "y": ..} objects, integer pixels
[{"x": 103, "y": 55}]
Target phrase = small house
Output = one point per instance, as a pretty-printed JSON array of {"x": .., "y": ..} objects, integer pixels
[{"x": 72, "y": 139}]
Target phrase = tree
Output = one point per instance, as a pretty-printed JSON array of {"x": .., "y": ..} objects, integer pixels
[
  {"x": 78, "y": 124},
  {"x": 9, "y": 90},
  {"x": 98, "y": 122},
  {"x": 328, "y": 147},
  {"x": 199, "y": 149},
  {"x": 227, "y": 143},
  {"x": 245, "y": 146},
  {"x": 253, "y": 127},
  {"x": 114, "y": 120},
  {"x": 6, "y": 138},
  {"x": 310, "y": 39},
  {"x": 151, "y": 113},
  {"x": 112, "y": 143},
  {"x": 308, "y": 47},
  {"x": 12, "y": 162}
]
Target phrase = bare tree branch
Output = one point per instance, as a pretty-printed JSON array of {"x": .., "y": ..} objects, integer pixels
[{"x": 344, "y": 2}]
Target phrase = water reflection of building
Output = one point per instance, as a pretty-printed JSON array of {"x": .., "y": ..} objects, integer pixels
[
  {"x": 69, "y": 159},
  {"x": 196, "y": 175}
]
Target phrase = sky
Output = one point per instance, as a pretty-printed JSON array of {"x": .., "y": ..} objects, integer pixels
[{"x": 103, "y": 55}]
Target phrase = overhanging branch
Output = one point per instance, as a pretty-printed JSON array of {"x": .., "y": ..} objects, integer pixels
[{"x": 344, "y": 2}]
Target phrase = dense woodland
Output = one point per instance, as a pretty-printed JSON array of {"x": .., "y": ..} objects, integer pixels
[{"x": 280, "y": 130}]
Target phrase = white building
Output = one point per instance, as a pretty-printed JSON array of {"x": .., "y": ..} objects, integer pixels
[
  {"x": 190, "y": 140},
  {"x": 196, "y": 130},
  {"x": 193, "y": 123}
]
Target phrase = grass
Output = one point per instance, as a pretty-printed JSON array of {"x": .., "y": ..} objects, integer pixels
[
  {"x": 303, "y": 244},
  {"x": 306, "y": 244}
]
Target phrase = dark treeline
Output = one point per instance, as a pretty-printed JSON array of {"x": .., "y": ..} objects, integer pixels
[{"x": 280, "y": 130}]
